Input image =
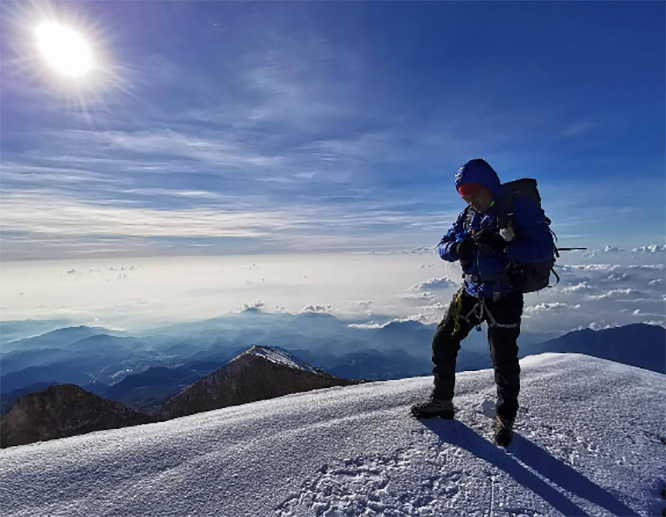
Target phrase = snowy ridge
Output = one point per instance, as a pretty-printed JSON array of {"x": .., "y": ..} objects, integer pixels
[
  {"x": 279, "y": 356},
  {"x": 588, "y": 441}
]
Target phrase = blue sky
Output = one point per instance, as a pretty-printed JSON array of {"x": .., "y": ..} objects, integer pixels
[{"x": 270, "y": 127}]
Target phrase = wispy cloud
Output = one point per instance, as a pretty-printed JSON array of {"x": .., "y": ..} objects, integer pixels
[
  {"x": 578, "y": 129},
  {"x": 50, "y": 215},
  {"x": 168, "y": 142},
  {"x": 52, "y": 221}
]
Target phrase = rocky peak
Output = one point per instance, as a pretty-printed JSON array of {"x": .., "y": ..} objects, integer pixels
[
  {"x": 259, "y": 373},
  {"x": 63, "y": 410}
]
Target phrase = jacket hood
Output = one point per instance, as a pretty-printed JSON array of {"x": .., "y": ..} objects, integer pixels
[{"x": 480, "y": 172}]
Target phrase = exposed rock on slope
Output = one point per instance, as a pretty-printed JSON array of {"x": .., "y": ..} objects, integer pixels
[
  {"x": 60, "y": 411},
  {"x": 257, "y": 374}
]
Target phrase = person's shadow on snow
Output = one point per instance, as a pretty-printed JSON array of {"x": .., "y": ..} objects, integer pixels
[{"x": 523, "y": 451}]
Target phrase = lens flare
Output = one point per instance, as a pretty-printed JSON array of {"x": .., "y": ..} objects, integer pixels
[{"x": 64, "y": 49}]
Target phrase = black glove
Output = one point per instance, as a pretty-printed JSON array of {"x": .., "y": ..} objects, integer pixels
[
  {"x": 465, "y": 248},
  {"x": 491, "y": 239}
]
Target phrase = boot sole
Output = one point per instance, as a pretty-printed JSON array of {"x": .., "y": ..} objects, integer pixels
[{"x": 504, "y": 441}]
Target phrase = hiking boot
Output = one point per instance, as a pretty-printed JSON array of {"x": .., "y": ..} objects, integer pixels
[
  {"x": 503, "y": 431},
  {"x": 434, "y": 407}
]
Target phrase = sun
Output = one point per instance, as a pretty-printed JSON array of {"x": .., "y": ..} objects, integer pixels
[
  {"x": 66, "y": 56},
  {"x": 64, "y": 49}
]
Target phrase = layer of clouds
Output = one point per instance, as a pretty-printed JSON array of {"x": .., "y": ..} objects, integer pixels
[
  {"x": 625, "y": 294},
  {"x": 250, "y": 306},
  {"x": 368, "y": 325},
  {"x": 368, "y": 289},
  {"x": 434, "y": 283},
  {"x": 362, "y": 303},
  {"x": 623, "y": 283},
  {"x": 425, "y": 296},
  {"x": 609, "y": 249},
  {"x": 580, "y": 287},
  {"x": 650, "y": 248},
  {"x": 549, "y": 307}
]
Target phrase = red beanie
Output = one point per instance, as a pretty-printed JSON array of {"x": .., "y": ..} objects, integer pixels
[{"x": 467, "y": 189}]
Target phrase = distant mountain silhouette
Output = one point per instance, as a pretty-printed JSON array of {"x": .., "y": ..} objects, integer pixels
[
  {"x": 378, "y": 365},
  {"x": 257, "y": 374},
  {"x": 157, "y": 384},
  {"x": 100, "y": 358},
  {"x": 404, "y": 328},
  {"x": 78, "y": 368},
  {"x": 12, "y": 331},
  {"x": 20, "y": 359},
  {"x": 398, "y": 364},
  {"x": 60, "y": 411},
  {"x": 107, "y": 343},
  {"x": 60, "y": 338},
  {"x": 636, "y": 345}
]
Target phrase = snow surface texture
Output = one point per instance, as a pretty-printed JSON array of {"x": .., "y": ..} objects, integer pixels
[{"x": 588, "y": 442}]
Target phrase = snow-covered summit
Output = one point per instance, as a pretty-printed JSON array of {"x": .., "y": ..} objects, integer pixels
[
  {"x": 259, "y": 373},
  {"x": 279, "y": 356},
  {"x": 589, "y": 441}
]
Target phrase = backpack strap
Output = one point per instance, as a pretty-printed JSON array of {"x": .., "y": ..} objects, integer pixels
[
  {"x": 468, "y": 213},
  {"x": 505, "y": 213}
]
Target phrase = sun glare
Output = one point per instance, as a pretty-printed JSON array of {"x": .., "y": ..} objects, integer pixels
[
  {"x": 66, "y": 55},
  {"x": 64, "y": 49}
]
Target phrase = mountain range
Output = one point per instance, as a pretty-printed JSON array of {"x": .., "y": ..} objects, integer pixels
[
  {"x": 145, "y": 371},
  {"x": 213, "y": 379},
  {"x": 68, "y": 410},
  {"x": 636, "y": 345}
]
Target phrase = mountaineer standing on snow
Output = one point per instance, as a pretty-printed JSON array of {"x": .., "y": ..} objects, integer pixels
[{"x": 497, "y": 238}]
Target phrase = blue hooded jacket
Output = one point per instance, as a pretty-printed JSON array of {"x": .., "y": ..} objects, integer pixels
[{"x": 532, "y": 242}]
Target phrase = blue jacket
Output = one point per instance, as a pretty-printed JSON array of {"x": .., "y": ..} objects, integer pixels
[{"x": 533, "y": 241}]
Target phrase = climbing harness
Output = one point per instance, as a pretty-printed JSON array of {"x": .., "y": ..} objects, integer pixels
[
  {"x": 480, "y": 311},
  {"x": 492, "y": 322}
]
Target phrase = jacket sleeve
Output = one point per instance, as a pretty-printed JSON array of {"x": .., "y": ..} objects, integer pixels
[
  {"x": 533, "y": 241},
  {"x": 447, "y": 244}
]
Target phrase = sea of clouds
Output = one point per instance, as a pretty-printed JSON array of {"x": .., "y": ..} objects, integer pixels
[{"x": 597, "y": 289}]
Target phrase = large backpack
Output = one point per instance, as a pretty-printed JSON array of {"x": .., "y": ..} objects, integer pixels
[{"x": 537, "y": 274}]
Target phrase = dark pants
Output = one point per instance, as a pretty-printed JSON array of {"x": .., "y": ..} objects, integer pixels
[{"x": 503, "y": 347}]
